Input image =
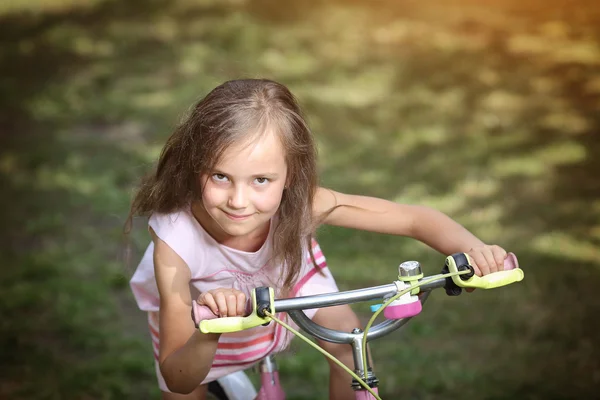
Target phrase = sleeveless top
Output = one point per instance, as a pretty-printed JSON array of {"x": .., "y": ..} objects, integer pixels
[{"x": 212, "y": 266}]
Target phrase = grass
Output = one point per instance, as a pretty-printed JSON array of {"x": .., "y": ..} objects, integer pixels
[{"x": 486, "y": 112}]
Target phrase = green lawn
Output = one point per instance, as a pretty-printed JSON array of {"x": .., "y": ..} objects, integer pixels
[{"x": 489, "y": 113}]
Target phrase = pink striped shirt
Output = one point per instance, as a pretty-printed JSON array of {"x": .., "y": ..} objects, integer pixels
[{"x": 213, "y": 265}]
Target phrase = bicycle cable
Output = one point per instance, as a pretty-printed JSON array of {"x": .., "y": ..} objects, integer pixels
[{"x": 324, "y": 352}]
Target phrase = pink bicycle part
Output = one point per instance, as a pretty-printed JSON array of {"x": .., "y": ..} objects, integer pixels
[
  {"x": 270, "y": 387},
  {"x": 511, "y": 262},
  {"x": 364, "y": 394},
  {"x": 403, "y": 310}
]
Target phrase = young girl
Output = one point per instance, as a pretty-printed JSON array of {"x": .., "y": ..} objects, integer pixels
[{"x": 234, "y": 204}]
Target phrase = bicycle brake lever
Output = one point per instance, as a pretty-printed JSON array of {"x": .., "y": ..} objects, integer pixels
[
  {"x": 262, "y": 299},
  {"x": 460, "y": 261}
]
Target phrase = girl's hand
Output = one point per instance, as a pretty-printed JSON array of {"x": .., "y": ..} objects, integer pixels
[
  {"x": 487, "y": 259},
  {"x": 224, "y": 302}
]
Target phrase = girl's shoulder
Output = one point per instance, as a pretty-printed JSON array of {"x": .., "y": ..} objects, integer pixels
[
  {"x": 324, "y": 202},
  {"x": 180, "y": 231},
  {"x": 181, "y": 222}
]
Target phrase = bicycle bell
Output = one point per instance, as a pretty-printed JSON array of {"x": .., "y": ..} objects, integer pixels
[{"x": 410, "y": 271}]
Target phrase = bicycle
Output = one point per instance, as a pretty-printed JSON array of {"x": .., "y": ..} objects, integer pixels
[{"x": 402, "y": 300}]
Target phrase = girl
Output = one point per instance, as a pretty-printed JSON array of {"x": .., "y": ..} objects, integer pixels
[{"x": 233, "y": 205}]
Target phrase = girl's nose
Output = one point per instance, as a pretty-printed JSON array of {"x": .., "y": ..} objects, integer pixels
[{"x": 238, "y": 198}]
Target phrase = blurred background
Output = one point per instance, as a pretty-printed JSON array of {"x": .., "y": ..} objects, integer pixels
[{"x": 486, "y": 110}]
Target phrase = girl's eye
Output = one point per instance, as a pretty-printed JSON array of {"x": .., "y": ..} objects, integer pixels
[
  {"x": 219, "y": 178},
  {"x": 261, "y": 181}
]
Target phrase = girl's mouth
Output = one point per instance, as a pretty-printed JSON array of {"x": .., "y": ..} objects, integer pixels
[{"x": 237, "y": 217}]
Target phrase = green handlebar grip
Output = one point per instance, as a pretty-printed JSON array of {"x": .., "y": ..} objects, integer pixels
[
  {"x": 230, "y": 324},
  {"x": 489, "y": 281},
  {"x": 235, "y": 324}
]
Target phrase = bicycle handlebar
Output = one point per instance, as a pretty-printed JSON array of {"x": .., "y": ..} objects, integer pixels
[{"x": 262, "y": 299}]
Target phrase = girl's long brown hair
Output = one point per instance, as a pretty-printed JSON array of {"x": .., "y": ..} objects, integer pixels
[{"x": 235, "y": 111}]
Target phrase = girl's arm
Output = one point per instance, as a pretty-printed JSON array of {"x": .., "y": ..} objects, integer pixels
[
  {"x": 185, "y": 354},
  {"x": 425, "y": 224}
]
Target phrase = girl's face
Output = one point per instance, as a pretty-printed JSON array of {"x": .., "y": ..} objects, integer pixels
[{"x": 245, "y": 188}]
